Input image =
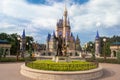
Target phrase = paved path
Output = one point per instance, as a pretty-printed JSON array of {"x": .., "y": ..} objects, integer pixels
[
  {"x": 11, "y": 71},
  {"x": 111, "y": 71}
]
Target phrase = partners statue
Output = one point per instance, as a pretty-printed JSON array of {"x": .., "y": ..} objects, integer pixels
[
  {"x": 59, "y": 45},
  {"x": 64, "y": 50}
]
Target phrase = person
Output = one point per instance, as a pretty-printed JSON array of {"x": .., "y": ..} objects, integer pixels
[{"x": 59, "y": 46}]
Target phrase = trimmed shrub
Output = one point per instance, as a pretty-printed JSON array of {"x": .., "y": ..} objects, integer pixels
[
  {"x": 101, "y": 60},
  {"x": 13, "y": 59},
  {"x": 118, "y": 56},
  {"x": 61, "y": 66}
]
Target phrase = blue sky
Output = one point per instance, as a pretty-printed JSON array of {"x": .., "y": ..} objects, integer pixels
[{"x": 39, "y": 17}]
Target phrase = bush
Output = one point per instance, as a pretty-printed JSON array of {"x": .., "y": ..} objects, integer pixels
[
  {"x": 61, "y": 66},
  {"x": 118, "y": 56},
  {"x": 101, "y": 60},
  {"x": 8, "y": 60},
  {"x": 13, "y": 59}
]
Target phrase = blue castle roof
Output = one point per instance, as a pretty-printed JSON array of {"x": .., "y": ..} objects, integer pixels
[
  {"x": 49, "y": 36},
  {"x": 4, "y": 42},
  {"x": 116, "y": 43},
  {"x": 23, "y": 35},
  {"x": 97, "y": 36}
]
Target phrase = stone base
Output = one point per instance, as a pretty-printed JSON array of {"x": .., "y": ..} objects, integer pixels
[
  {"x": 61, "y": 59},
  {"x": 61, "y": 75}
]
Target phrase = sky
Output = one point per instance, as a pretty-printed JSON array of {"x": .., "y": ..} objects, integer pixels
[{"x": 39, "y": 17}]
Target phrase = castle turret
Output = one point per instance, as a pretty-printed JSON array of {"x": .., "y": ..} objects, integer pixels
[
  {"x": 48, "y": 39},
  {"x": 52, "y": 42},
  {"x": 23, "y": 41},
  {"x": 59, "y": 27},
  {"x": 97, "y": 44},
  {"x": 77, "y": 44},
  {"x": 65, "y": 23}
]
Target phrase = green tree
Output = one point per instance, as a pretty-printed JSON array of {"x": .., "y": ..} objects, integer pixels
[
  {"x": 12, "y": 38},
  {"x": 1, "y": 52},
  {"x": 118, "y": 56},
  {"x": 90, "y": 46},
  {"x": 14, "y": 42},
  {"x": 29, "y": 40},
  {"x": 4, "y": 36},
  {"x": 105, "y": 46}
]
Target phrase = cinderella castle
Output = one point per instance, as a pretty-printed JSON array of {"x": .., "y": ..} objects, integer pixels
[{"x": 63, "y": 28}]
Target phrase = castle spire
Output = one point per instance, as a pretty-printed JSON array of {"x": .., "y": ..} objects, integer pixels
[
  {"x": 97, "y": 44},
  {"x": 65, "y": 22},
  {"x": 65, "y": 11},
  {"x": 65, "y": 16},
  {"x": 23, "y": 35},
  {"x": 77, "y": 38},
  {"x": 97, "y": 35},
  {"x": 68, "y": 22}
]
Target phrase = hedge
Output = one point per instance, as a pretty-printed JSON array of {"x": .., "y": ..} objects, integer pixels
[
  {"x": 118, "y": 56},
  {"x": 61, "y": 66},
  {"x": 101, "y": 60},
  {"x": 13, "y": 59}
]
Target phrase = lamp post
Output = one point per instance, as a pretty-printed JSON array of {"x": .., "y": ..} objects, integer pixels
[
  {"x": 93, "y": 54},
  {"x": 104, "y": 40},
  {"x": 18, "y": 47},
  {"x": 86, "y": 46}
]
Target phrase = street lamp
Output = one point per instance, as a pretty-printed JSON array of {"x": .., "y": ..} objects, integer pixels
[
  {"x": 27, "y": 43},
  {"x": 18, "y": 46},
  {"x": 86, "y": 48},
  {"x": 104, "y": 40},
  {"x": 93, "y": 54}
]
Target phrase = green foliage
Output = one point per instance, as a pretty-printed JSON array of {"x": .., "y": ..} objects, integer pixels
[
  {"x": 61, "y": 66},
  {"x": 13, "y": 59},
  {"x": 29, "y": 40},
  {"x": 101, "y": 60},
  {"x": 12, "y": 38},
  {"x": 3, "y": 36},
  {"x": 90, "y": 47},
  {"x": 118, "y": 56},
  {"x": 1, "y": 52},
  {"x": 108, "y": 43}
]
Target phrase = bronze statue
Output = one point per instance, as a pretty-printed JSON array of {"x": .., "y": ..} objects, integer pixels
[
  {"x": 59, "y": 45},
  {"x": 64, "y": 50}
]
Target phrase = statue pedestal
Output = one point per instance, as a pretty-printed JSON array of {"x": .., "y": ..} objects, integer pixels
[{"x": 61, "y": 59}]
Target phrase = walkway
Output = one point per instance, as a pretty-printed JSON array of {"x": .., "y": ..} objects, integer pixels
[
  {"x": 11, "y": 71},
  {"x": 111, "y": 72}
]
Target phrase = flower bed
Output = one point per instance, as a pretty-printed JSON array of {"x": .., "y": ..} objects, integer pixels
[{"x": 61, "y": 66}]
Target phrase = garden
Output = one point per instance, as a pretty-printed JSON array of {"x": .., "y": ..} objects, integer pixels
[{"x": 75, "y": 65}]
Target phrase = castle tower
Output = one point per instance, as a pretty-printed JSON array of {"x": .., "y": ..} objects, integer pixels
[
  {"x": 48, "y": 39},
  {"x": 63, "y": 28},
  {"x": 59, "y": 27},
  {"x": 23, "y": 41},
  {"x": 72, "y": 42},
  {"x": 52, "y": 43},
  {"x": 97, "y": 44},
  {"x": 77, "y": 44},
  {"x": 65, "y": 23}
]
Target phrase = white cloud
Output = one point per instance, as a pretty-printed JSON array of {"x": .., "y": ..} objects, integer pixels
[
  {"x": 86, "y": 16},
  {"x": 93, "y": 15}
]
